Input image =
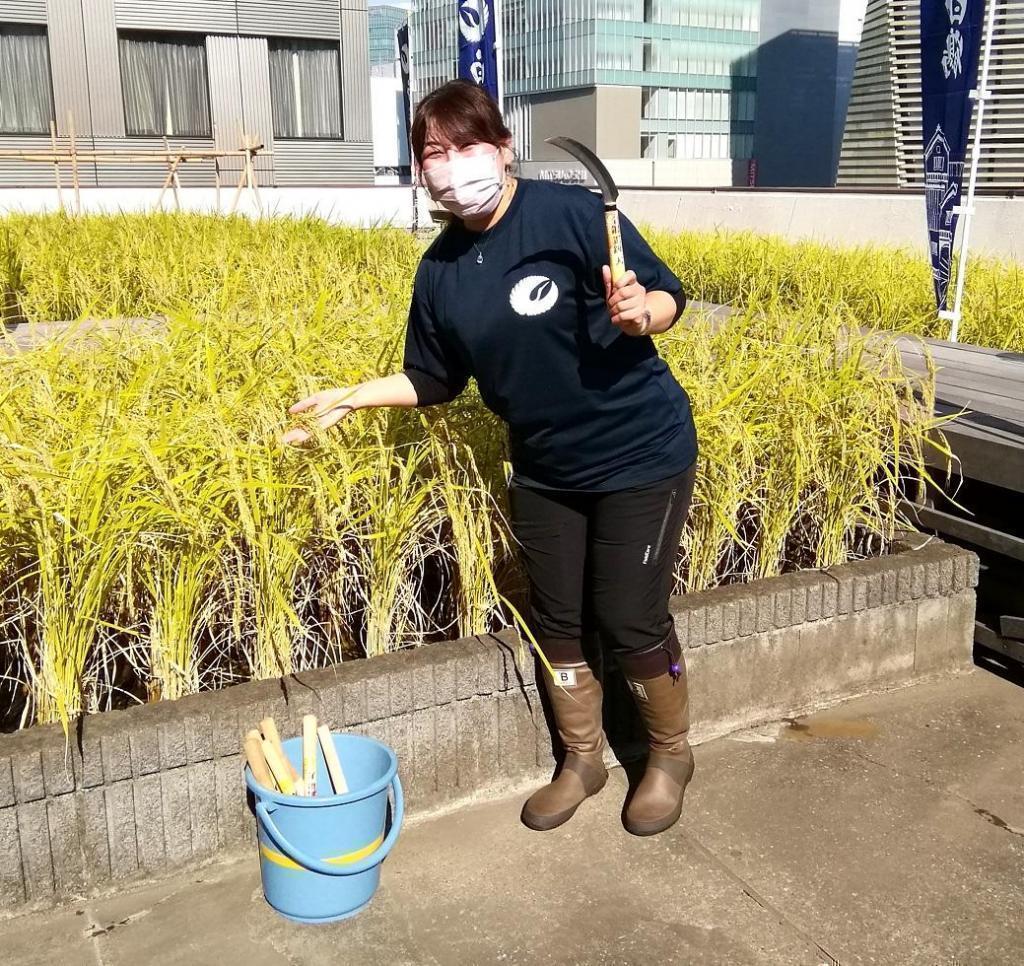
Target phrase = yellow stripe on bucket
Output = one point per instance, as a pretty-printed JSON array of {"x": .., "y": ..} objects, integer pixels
[{"x": 282, "y": 860}]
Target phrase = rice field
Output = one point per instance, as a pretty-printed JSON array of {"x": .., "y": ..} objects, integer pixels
[
  {"x": 156, "y": 540},
  {"x": 868, "y": 286}
]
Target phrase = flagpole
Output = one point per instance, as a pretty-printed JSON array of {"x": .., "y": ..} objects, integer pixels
[
  {"x": 499, "y": 53},
  {"x": 980, "y": 94},
  {"x": 413, "y": 10}
]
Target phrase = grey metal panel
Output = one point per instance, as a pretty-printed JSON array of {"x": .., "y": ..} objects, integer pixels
[
  {"x": 322, "y": 163},
  {"x": 355, "y": 75},
  {"x": 204, "y": 16},
  {"x": 15, "y": 173},
  {"x": 105, "y": 96},
  {"x": 23, "y": 11},
  {"x": 316, "y": 19},
  {"x": 68, "y": 65},
  {"x": 254, "y": 68},
  {"x": 151, "y": 174},
  {"x": 240, "y": 99},
  {"x": 225, "y": 86}
]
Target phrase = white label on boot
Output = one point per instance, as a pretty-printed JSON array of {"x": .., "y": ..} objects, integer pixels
[
  {"x": 565, "y": 677},
  {"x": 638, "y": 689}
]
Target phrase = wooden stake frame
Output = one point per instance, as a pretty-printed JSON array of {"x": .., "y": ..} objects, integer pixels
[{"x": 172, "y": 158}]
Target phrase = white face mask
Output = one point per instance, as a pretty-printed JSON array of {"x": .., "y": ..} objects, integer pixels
[{"x": 469, "y": 187}]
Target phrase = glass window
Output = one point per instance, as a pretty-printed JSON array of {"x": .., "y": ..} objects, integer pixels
[
  {"x": 305, "y": 88},
  {"x": 166, "y": 91},
  {"x": 26, "y": 92}
]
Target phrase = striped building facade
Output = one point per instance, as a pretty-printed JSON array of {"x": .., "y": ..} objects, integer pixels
[
  {"x": 291, "y": 74},
  {"x": 882, "y": 141}
]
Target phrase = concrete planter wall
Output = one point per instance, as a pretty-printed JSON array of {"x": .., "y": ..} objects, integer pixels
[{"x": 140, "y": 792}]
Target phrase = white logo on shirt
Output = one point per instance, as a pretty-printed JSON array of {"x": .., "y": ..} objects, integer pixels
[
  {"x": 473, "y": 20},
  {"x": 533, "y": 295}
]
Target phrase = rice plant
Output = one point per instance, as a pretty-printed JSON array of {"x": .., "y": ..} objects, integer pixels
[
  {"x": 155, "y": 540},
  {"x": 871, "y": 286}
]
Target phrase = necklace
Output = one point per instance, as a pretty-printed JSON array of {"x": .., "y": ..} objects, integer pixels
[{"x": 479, "y": 250}]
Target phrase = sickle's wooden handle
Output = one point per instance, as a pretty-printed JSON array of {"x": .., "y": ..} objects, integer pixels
[{"x": 616, "y": 260}]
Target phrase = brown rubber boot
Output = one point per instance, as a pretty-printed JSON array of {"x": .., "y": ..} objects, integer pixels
[
  {"x": 576, "y": 702},
  {"x": 664, "y": 706}
]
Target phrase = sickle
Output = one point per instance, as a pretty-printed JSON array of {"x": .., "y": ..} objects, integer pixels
[{"x": 610, "y": 194}]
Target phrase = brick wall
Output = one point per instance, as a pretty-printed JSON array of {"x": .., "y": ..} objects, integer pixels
[{"x": 137, "y": 793}]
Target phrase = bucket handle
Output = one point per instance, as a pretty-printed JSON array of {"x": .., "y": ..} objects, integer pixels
[{"x": 326, "y": 868}]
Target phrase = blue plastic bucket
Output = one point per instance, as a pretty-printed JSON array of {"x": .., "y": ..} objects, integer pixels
[{"x": 320, "y": 857}]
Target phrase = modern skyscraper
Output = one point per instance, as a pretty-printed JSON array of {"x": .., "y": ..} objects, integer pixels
[
  {"x": 882, "y": 144},
  {"x": 666, "y": 80},
  {"x": 384, "y": 21}
]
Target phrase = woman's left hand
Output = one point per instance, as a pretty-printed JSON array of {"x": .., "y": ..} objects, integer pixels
[{"x": 626, "y": 300}]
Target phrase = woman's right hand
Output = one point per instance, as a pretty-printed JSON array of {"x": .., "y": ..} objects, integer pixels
[{"x": 328, "y": 407}]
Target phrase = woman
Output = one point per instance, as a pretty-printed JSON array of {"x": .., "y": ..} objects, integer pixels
[{"x": 515, "y": 294}]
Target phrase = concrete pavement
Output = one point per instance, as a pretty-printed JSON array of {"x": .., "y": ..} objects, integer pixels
[{"x": 888, "y": 830}]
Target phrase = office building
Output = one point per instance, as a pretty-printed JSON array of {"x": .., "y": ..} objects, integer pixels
[
  {"x": 390, "y": 134},
  {"x": 384, "y": 21},
  {"x": 882, "y": 144},
  {"x": 706, "y": 91},
  {"x": 292, "y": 75}
]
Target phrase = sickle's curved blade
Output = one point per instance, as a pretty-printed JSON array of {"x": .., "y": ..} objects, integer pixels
[{"x": 592, "y": 163}]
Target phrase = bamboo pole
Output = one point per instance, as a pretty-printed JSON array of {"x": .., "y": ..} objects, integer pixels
[
  {"x": 74, "y": 164},
  {"x": 56, "y": 156},
  {"x": 981, "y": 94},
  {"x": 253, "y": 184},
  {"x": 243, "y": 176},
  {"x": 238, "y": 191},
  {"x": 56, "y": 165},
  {"x": 121, "y": 157}
]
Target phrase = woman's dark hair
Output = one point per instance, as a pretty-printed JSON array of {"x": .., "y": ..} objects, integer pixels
[{"x": 461, "y": 113}]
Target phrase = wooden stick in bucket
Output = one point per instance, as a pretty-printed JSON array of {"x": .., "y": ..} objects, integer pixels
[
  {"x": 270, "y": 733},
  {"x": 257, "y": 760},
  {"x": 309, "y": 754},
  {"x": 332, "y": 761},
  {"x": 279, "y": 766}
]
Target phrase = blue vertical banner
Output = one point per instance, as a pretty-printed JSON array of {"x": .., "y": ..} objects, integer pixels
[
  {"x": 478, "y": 60},
  {"x": 950, "y": 44}
]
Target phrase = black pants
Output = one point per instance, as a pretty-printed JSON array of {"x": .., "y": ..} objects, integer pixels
[{"x": 609, "y": 556}]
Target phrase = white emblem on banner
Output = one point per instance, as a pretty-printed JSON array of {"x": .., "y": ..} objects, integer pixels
[
  {"x": 473, "y": 19},
  {"x": 953, "y": 57},
  {"x": 477, "y": 69}
]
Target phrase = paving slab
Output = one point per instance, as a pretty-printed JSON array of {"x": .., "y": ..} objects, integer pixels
[
  {"x": 862, "y": 822},
  {"x": 478, "y": 887},
  {"x": 48, "y": 939},
  {"x": 884, "y": 831}
]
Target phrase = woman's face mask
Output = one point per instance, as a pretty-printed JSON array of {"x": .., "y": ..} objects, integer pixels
[{"x": 468, "y": 183}]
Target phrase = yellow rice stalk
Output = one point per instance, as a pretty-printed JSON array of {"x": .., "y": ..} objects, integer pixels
[{"x": 148, "y": 516}]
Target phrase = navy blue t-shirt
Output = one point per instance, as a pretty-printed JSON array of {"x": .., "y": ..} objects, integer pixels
[{"x": 587, "y": 406}]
